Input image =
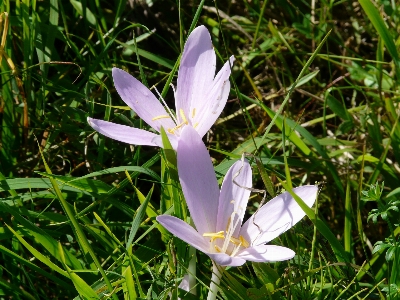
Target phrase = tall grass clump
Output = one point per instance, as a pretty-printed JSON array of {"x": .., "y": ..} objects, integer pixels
[{"x": 313, "y": 101}]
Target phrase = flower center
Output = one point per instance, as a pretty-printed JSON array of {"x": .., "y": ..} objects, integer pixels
[
  {"x": 231, "y": 245},
  {"x": 180, "y": 125}
]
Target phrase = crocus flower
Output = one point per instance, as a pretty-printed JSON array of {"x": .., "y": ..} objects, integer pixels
[
  {"x": 199, "y": 97},
  {"x": 218, "y": 215}
]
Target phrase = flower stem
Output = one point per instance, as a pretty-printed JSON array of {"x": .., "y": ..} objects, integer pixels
[
  {"x": 192, "y": 270},
  {"x": 215, "y": 279}
]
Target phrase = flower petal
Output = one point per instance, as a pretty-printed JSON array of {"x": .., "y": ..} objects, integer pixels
[
  {"x": 184, "y": 231},
  {"x": 196, "y": 71},
  {"x": 173, "y": 139},
  {"x": 233, "y": 197},
  {"x": 213, "y": 104},
  {"x": 141, "y": 100},
  {"x": 123, "y": 133},
  {"x": 223, "y": 259},
  {"x": 277, "y": 216},
  {"x": 184, "y": 285},
  {"x": 197, "y": 177},
  {"x": 265, "y": 253}
]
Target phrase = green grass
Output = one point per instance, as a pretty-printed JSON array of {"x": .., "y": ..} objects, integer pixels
[{"x": 315, "y": 97}]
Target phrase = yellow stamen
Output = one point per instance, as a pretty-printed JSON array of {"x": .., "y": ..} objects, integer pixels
[
  {"x": 235, "y": 241},
  {"x": 217, "y": 248},
  {"x": 244, "y": 242},
  {"x": 193, "y": 112},
  {"x": 213, "y": 233},
  {"x": 171, "y": 130},
  {"x": 195, "y": 125},
  {"x": 182, "y": 113},
  {"x": 160, "y": 117},
  {"x": 214, "y": 236}
]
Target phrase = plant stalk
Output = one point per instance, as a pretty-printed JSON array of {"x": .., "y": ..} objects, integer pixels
[
  {"x": 215, "y": 280},
  {"x": 192, "y": 270}
]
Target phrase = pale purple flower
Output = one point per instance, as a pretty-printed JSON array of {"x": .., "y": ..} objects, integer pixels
[
  {"x": 184, "y": 285},
  {"x": 218, "y": 215},
  {"x": 199, "y": 97}
]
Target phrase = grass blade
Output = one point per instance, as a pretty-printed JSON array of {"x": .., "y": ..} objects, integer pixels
[
  {"x": 279, "y": 111},
  {"x": 81, "y": 286},
  {"x": 380, "y": 26},
  {"x": 347, "y": 221},
  {"x": 77, "y": 229},
  {"x": 138, "y": 218}
]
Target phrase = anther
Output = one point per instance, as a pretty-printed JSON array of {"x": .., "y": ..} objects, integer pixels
[
  {"x": 160, "y": 117},
  {"x": 235, "y": 241},
  {"x": 182, "y": 113},
  {"x": 193, "y": 112},
  {"x": 244, "y": 242},
  {"x": 214, "y": 236},
  {"x": 217, "y": 248},
  {"x": 171, "y": 130}
]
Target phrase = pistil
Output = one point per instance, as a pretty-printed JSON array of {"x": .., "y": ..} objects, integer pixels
[{"x": 230, "y": 231}]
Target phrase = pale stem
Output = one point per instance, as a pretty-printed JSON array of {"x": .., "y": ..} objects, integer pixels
[
  {"x": 192, "y": 270},
  {"x": 215, "y": 280}
]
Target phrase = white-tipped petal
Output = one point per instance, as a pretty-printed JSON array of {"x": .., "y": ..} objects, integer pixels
[
  {"x": 277, "y": 215},
  {"x": 122, "y": 133},
  {"x": 197, "y": 177},
  {"x": 264, "y": 253},
  {"x": 225, "y": 260},
  {"x": 184, "y": 231},
  {"x": 234, "y": 196},
  {"x": 141, "y": 100},
  {"x": 215, "y": 100},
  {"x": 196, "y": 71}
]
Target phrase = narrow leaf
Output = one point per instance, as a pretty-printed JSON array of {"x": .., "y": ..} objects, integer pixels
[{"x": 138, "y": 218}]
